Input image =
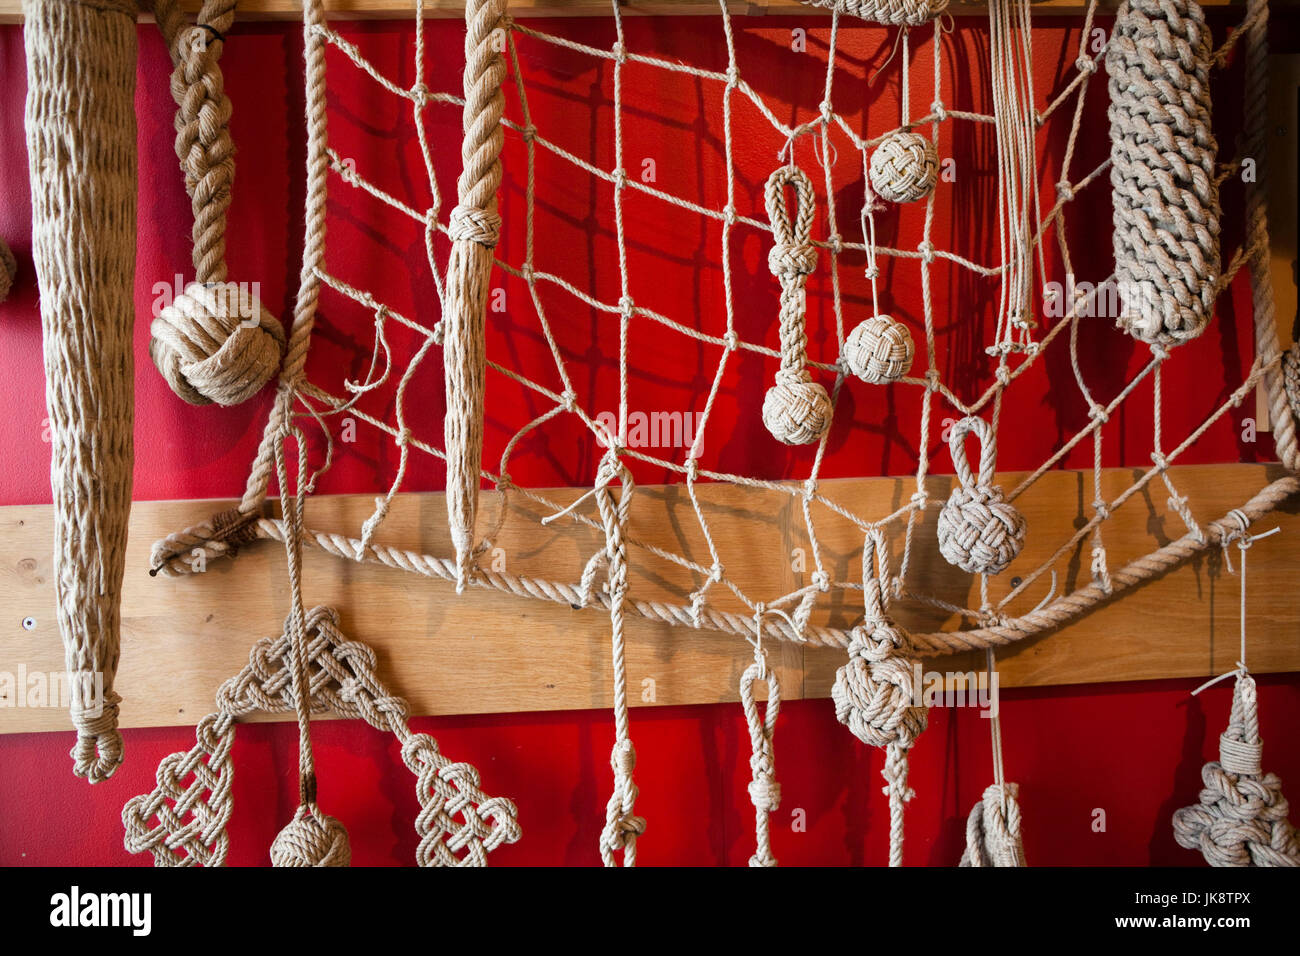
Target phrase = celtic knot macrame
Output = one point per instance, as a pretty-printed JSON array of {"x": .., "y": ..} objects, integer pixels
[{"x": 183, "y": 821}]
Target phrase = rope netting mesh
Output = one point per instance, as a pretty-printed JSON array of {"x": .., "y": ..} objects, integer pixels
[
  {"x": 1018, "y": 346},
  {"x": 1165, "y": 179}
]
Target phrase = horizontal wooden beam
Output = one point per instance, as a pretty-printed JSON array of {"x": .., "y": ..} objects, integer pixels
[
  {"x": 11, "y": 10},
  {"x": 485, "y": 651}
]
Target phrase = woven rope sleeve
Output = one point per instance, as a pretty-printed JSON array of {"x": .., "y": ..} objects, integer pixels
[
  {"x": 1163, "y": 188},
  {"x": 475, "y": 228},
  {"x": 81, "y": 148},
  {"x": 910, "y": 13},
  {"x": 182, "y": 822}
]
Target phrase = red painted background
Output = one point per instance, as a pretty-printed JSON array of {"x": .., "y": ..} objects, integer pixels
[{"x": 1132, "y": 750}]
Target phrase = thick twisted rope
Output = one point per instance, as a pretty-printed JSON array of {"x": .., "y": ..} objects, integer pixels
[
  {"x": 81, "y": 145},
  {"x": 796, "y": 410},
  {"x": 183, "y": 821},
  {"x": 910, "y": 13},
  {"x": 1165, "y": 197},
  {"x": 993, "y": 829},
  {"x": 1241, "y": 817},
  {"x": 764, "y": 791},
  {"x": 474, "y": 228},
  {"x": 215, "y": 342},
  {"x": 874, "y": 692},
  {"x": 622, "y": 825}
]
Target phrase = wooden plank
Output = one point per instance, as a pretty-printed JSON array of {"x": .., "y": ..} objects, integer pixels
[
  {"x": 11, "y": 10},
  {"x": 492, "y": 652}
]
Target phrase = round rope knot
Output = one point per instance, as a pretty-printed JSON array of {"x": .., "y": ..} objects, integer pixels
[
  {"x": 879, "y": 350},
  {"x": 979, "y": 531},
  {"x": 475, "y": 225},
  {"x": 8, "y": 269},
  {"x": 876, "y": 699},
  {"x": 216, "y": 343},
  {"x": 311, "y": 839},
  {"x": 796, "y": 411},
  {"x": 765, "y": 792},
  {"x": 904, "y": 167},
  {"x": 789, "y": 259}
]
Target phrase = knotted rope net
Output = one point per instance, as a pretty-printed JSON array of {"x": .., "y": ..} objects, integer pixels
[{"x": 1149, "y": 168}]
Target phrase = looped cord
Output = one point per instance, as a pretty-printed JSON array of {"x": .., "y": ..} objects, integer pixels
[
  {"x": 979, "y": 531},
  {"x": 764, "y": 791}
]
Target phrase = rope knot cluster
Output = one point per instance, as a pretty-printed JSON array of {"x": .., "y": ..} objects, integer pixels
[
  {"x": 1165, "y": 198},
  {"x": 311, "y": 838},
  {"x": 912, "y": 13},
  {"x": 904, "y": 167},
  {"x": 993, "y": 835},
  {"x": 796, "y": 410},
  {"x": 879, "y": 350},
  {"x": 979, "y": 531},
  {"x": 1241, "y": 818}
]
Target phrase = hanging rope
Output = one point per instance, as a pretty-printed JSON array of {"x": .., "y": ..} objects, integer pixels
[
  {"x": 889, "y": 12},
  {"x": 764, "y": 791},
  {"x": 874, "y": 691},
  {"x": 979, "y": 530},
  {"x": 81, "y": 145},
  {"x": 215, "y": 342}
]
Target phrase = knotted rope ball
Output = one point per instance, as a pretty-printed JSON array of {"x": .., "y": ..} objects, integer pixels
[
  {"x": 796, "y": 410},
  {"x": 979, "y": 531},
  {"x": 311, "y": 839},
  {"x": 216, "y": 343},
  {"x": 1241, "y": 818},
  {"x": 879, "y": 350},
  {"x": 904, "y": 167},
  {"x": 1162, "y": 175},
  {"x": 8, "y": 269}
]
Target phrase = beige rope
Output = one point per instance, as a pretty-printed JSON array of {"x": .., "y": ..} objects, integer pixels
[
  {"x": 764, "y": 791},
  {"x": 1163, "y": 185},
  {"x": 879, "y": 350},
  {"x": 796, "y": 410},
  {"x": 993, "y": 829},
  {"x": 474, "y": 229},
  {"x": 182, "y": 822},
  {"x": 874, "y": 692},
  {"x": 979, "y": 530},
  {"x": 1241, "y": 817},
  {"x": 8, "y": 270},
  {"x": 82, "y": 158},
  {"x": 889, "y": 12},
  {"x": 215, "y": 342}
]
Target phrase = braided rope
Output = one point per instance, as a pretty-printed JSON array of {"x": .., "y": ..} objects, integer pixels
[
  {"x": 1165, "y": 195},
  {"x": 764, "y": 791},
  {"x": 979, "y": 530},
  {"x": 993, "y": 829},
  {"x": 796, "y": 410},
  {"x": 910, "y": 13},
  {"x": 182, "y": 822},
  {"x": 81, "y": 144},
  {"x": 215, "y": 342}
]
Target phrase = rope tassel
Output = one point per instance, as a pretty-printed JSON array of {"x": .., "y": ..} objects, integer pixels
[
  {"x": 474, "y": 228},
  {"x": 81, "y": 143}
]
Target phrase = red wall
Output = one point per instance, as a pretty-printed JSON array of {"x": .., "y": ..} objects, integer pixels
[{"x": 1132, "y": 750}]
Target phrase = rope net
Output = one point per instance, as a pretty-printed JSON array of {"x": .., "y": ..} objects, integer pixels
[{"x": 811, "y": 198}]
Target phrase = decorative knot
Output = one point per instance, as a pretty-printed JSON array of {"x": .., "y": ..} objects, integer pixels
[
  {"x": 874, "y": 691},
  {"x": 912, "y": 13},
  {"x": 904, "y": 167},
  {"x": 765, "y": 792},
  {"x": 1086, "y": 64},
  {"x": 98, "y": 750},
  {"x": 993, "y": 829},
  {"x": 786, "y": 259},
  {"x": 978, "y": 530},
  {"x": 474, "y": 225},
  {"x": 311, "y": 839},
  {"x": 879, "y": 350},
  {"x": 216, "y": 342}
]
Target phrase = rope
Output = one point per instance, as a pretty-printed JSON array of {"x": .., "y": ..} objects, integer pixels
[
  {"x": 796, "y": 410},
  {"x": 764, "y": 791},
  {"x": 993, "y": 829},
  {"x": 911, "y": 13},
  {"x": 81, "y": 144},
  {"x": 874, "y": 693},
  {"x": 979, "y": 530},
  {"x": 215, "y": 342},
  {"x": 183, "y": 821},
  {"x": 1163, "y": 185},
  {"x": 474, "y": 230}
]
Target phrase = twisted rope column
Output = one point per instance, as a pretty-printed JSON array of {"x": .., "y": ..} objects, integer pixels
[
  {"x": 82, "y": 157},
  {"x": 474, "y": 228},
  {"x": 764, "y": 791}
]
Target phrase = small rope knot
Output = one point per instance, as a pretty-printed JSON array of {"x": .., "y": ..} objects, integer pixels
[
  {"x": 821, "y": 580},
  {"x": 216, "y": 342},
  {"x": 474, "y": 225},
  {"x": 874, "y": 691},
  {"x": 731, "y": 340},
  {"x": 765, "y": 792},
  {"x": 1098, "y": 413},
  {"x": 926, "y": 249},
  {"x": 787, "y": 260},
  {"x": 1101, "y": 509},
  {"x": 939, "y": 110},
  {"x": 1160, "y": 461},
  {"x": 569, "y": 400},
  {"x": 1086, "y": 64},
  {"x": 98, "y": 750},
  {"x": 904, "y": 167},
  {"x": 879, "y": 350},
  {"x": 978, "y": 530},
  {"x": 311, "y": 839}
]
